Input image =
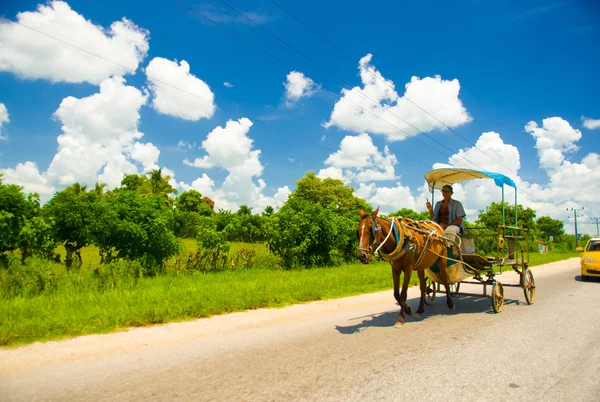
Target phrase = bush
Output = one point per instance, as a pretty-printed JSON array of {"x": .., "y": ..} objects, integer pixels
[
  {"x": 119, "y": 274},
  {"x": 30, "y": 279},
  {"x": 305, "y": 234}
]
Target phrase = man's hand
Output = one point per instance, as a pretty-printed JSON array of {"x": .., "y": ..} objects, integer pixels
[{"x": 428, "y": 206}]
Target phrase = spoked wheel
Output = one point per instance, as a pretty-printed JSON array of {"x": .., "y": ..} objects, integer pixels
[
  {"x": 498, "y": 297},
  {"x": 454, "y": 288},
  {"x": 528, "y": 286},
  {"x": 430, "y": 291}
]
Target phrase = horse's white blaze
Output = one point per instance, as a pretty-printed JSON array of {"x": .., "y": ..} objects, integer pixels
[{"x": 362, "y": 230}]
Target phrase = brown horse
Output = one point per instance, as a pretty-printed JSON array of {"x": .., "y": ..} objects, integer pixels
[{"x": 417, "y": 252}]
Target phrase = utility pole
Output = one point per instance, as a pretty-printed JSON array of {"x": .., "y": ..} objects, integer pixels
[
  {"x": 597, "y": 230},
  {"x": 575, "y": 210}
]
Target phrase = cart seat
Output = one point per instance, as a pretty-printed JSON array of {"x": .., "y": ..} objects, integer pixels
[{"x": 467, "y": 245}]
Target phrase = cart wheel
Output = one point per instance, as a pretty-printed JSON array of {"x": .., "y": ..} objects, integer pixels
[
  {"x": 430, "y": 291},
  {"x": 528, "y": 286},
  {"x": 454, "y": 288},
  {"x": 497, "y": 297}
]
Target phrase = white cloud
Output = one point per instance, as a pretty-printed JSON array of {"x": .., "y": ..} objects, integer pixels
[
  {"x": 169, "y": 97},
  {"x": 389, "y": 199},
  {"x": 28, "y": 175},
  {"x": 590, "y": 124},
  {"x": 298, "y": 86},
  {"x": 230, "y": 148},
  {"x": 3, "y": 119},
  {"x": 228, "y": 84},
  {"x": 29, "y": 54},
  {"x": 100, "y": 141},
  {"x": 378, "y": 109},
  {"x": 555, "y": 138},
  {"x": 185, "y": 145},
  {"x": 358, "y": 159}
]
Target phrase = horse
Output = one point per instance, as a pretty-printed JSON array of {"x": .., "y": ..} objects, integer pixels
[{"x": 416, "y": 246}]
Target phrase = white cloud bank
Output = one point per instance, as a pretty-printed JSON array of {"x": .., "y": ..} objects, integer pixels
[
  {"x": 29, "y": 54},
  {"x": 569, "y": 184},
  {"x": 231, "y": 148},
  {"x": 100, "y": 142},
  {"x": 3, "y": 119},
  {"x": 377, "y": 108}
]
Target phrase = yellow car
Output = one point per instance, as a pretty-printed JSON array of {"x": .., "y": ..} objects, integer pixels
[{"x": 590, "y": 259}]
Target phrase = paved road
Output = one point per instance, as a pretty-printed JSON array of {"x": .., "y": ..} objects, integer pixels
[{"x": 346, "y": 349}]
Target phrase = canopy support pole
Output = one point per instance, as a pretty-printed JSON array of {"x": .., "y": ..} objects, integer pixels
[{"x": 503, "y": 204}]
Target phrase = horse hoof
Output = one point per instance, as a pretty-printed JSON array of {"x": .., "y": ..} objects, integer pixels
[
  {"x": 399, "y": 322},
  {"x": 409, "y": 311},
  {"x": 452, "y": 308},
  {"x": 417, "y": 315}
]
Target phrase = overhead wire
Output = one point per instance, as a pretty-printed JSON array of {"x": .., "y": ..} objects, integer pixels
[
  {"x": 405, "y": 97},
  {"x": 177, "y": 88},
  {"x": 256, "y": 48},
  {"x": 340, "y": 80},
  {"x": 385, "y": 82}
]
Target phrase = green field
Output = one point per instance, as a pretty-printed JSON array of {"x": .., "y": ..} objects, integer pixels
[{"x": 78, "y": 310}]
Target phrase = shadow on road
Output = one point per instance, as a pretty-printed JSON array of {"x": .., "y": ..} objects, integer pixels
[
  {"x": 465, "y": 304},
  {"x": 580, "y": 278}
]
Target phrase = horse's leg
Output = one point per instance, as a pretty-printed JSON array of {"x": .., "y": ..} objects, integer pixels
[
  {"x": 404, "y": 308},
  {"x": 423, "y": 286},
  {"x": 444, "y": 276}
]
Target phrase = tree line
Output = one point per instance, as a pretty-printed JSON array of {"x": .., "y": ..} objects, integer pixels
[{"x": 142, "y": 220}]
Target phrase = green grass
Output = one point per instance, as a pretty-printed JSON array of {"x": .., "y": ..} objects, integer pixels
[
  {"x": 166, "y": 299},
  {"x": 91, "y": 257},
  {"x": 176, "y": 298}
]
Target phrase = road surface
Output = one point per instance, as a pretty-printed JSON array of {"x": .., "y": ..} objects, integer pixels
[{"x": 338, "y": 350}]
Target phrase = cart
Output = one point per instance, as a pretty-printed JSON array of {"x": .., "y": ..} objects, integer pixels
[{"x": 469, "y": 266}]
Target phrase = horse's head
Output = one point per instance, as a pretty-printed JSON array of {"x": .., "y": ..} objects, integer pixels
[{"x": 368, "y": 231}]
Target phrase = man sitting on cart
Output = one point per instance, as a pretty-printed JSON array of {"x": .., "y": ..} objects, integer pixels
[{"x": 448, "y": 213}]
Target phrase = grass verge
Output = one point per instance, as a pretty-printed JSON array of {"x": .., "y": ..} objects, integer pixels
[{"x": 176, "y": 298}]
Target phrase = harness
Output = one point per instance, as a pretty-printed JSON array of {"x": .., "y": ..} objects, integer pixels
[{"x": 405, "y": 243}]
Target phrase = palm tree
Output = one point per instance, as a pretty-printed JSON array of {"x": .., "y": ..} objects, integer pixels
[
  {"x": 157, "y": 184},
  {"x": 77, "y": 188},
  {"x": 99, "y": 189}
]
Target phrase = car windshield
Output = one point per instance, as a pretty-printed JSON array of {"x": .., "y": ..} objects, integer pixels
[{"x": 594, "y": 245}]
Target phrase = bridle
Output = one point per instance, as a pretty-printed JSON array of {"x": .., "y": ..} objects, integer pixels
[{"x": 375, "y": 229}]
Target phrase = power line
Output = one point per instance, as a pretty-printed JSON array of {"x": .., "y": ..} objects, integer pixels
[
  {"x": 283, "y": 63},
  {"x": 164, "y": 83},
  {"x": 328, "y": 90},
  {"x": 385, "y": 82},
  {"x": 342, "y": 81},
  {"x": 182, "y": 90}
]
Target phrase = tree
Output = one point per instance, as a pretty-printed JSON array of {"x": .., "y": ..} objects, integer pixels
[
  {"x": 99, "y": 189},
  {"x": 14, "y": 210},
  {"x": 244, "y": 210},
  {"x": 156, "y": 184},
  {"x": 36, "y": 238},
  {"x": 307, "y": 234},
  {"x": 77, "y": 188},
  {"x": 73, "y": 214},
  {"x": 268, "y": 211},
  {"x": 329, "y": 193},
  {"x": 132, "y": 181},
  {"x": 411, "y": 214},
  {"x": 491, "y": 218},
  {"x": 135, "y": 227},
  {"x": 192, "y": 201},
  {"x": 549, "y": 227}
]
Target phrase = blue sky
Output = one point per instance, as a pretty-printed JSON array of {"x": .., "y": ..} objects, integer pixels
[{"x": 524, "y": 70}]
